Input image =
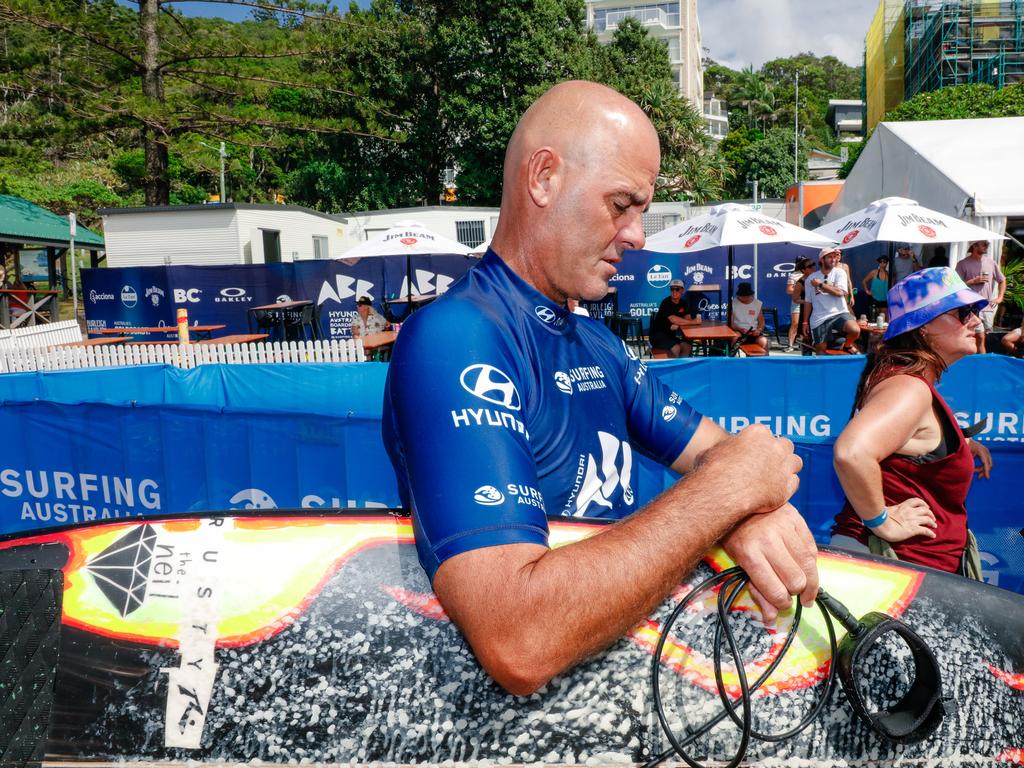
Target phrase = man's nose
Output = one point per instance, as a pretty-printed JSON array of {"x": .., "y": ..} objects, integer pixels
[{"x": 632, "y": 235}]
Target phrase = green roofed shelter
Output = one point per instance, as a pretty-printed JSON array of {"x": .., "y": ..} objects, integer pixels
[{"x": 24, "y": 222}]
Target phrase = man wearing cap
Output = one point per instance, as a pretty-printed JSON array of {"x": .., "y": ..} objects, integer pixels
[
  {"x": 676, "y": 311},
  {"x": 368, "y": 320},
  {"x": 980, "y": 271},
  {"x": 904, "y": 264},
  {"x": 830, "y": 316},
  {"x": 747, "y": 317}
]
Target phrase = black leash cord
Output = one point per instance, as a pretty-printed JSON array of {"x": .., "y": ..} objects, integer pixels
[{"x": 732, "y": 581}]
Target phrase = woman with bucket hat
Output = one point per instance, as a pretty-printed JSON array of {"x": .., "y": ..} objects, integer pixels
[{"x": 903, "y": 461}]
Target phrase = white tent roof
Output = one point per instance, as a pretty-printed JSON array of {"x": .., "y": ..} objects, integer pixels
[{"x": 941, "y": 164}]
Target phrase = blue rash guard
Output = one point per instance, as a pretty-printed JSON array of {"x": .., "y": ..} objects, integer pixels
[{"x": 501, "y": 407}]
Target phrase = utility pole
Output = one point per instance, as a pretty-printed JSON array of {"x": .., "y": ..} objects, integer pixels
[
  {"x": 223, "y": 155},
  {"x": 757, "y": 207},
  {"x": 796, "y": 133}
]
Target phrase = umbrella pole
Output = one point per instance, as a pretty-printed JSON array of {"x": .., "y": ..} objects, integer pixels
[
  {"x": 729, "y": 273},
  {"x": 892, "y": 262}
]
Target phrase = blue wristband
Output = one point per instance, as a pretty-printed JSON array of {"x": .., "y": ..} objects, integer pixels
[{"x": 874, "y": 522}]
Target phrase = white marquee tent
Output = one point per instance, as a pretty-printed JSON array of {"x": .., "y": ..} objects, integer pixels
[{"x": 970, "y": 169}]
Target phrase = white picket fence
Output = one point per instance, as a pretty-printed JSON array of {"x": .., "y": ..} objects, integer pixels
[
  {"x": 40, "y": 336},
  {"x": 182, "y": 356}
]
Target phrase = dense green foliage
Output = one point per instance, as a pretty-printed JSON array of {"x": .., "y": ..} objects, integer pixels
[
  {"x": 761, "y": 108},
  {"x": 108, "y": 103},
  {"x": 958, "y": 102}
]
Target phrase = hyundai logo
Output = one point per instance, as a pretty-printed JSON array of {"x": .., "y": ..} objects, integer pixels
[
  {"x": 546, "y": 314},
  {"x": 492, "y": 385},
  {"x": 488, "y": 496}
]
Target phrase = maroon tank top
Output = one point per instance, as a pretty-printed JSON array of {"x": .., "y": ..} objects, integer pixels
[{"x": 942, "y": 484}]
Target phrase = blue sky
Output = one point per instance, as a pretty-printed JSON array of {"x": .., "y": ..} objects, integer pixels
[{"x": 737, "y": 32}]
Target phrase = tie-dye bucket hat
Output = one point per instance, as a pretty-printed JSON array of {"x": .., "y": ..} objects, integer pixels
[{"x": 922, "y": 296}]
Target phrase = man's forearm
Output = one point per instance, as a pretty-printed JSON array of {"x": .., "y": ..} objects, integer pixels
[{"x": 571, "y": 602}]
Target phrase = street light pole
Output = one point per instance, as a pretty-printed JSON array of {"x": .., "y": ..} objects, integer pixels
[
  {"x": 223, "y": 155},
  {"x": 796, "y": 132}
]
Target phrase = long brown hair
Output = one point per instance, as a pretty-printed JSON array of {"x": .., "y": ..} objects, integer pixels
[{"x": 909, "y": 353}]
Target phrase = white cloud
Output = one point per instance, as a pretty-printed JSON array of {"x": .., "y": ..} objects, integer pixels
[{"x": 739, "y": 33}]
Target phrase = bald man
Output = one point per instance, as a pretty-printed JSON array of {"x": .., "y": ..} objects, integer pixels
[{"x": 533, "y": 410}]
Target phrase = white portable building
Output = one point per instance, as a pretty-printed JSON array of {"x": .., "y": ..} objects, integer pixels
[
  {"x": 217, "y": 234},
  {"x": 970, "y": 169}
]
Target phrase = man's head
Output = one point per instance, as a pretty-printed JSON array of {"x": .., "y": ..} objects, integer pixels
[
  {"x": 804, "y": 265},
  {"x": 363, "y": 306},
  {"x": 580, "y": 170},
  {"x": 676, "y": 289},
  {"x": 828, "y": 257},
  {"x": 745, "y": 293},
  {"x": 905, "y": 251},
  {"x": 978, "y": 248}
]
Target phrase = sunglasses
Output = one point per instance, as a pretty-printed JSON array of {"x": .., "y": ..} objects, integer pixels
[
  {"x": 673, "y": 290},
  {"x": 964, "y": 314}
]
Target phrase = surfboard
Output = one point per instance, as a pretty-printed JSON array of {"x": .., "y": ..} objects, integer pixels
[{"x": 290, "y": 637}]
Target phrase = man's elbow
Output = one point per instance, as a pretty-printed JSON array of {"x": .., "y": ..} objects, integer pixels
[{"x": 521, "y": 668}]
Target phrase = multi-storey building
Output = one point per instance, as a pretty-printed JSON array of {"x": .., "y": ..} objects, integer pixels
[
  {"x": 846, "y": 119},
  {"x": 923, "y": 45},
  {"x": 716, "y": 117},
  {"x": 674, "y": 23}
]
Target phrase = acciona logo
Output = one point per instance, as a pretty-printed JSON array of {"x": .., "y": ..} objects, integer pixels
[
  {"x": 659, "y": 276},
  {"x": 96, "y": 296},
  {"x": 602, "y": 480}
]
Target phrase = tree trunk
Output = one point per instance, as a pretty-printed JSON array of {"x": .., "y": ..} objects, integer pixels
[{"x": 156, "y": 183}]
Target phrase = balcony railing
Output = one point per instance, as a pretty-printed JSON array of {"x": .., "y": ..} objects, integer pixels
[{"x": 648, "y": 17}]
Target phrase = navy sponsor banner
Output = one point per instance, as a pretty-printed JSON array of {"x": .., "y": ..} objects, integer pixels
[
  {"x": 643, "y": 277},
  {"x": 223, "y": 295},
  {"x": 109, "y": 443}
]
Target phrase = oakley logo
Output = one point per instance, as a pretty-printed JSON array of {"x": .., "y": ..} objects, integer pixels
[
  {"x": 600, "y": 483},
  {"x": 488, "y": 496},
  {"x": 563, "y": 382},
  {"x": 669, "y": 412},
  {"x": 491, "y": 385},
  {"x": 546, "y": 314},
  {"x": 232, "y": 293}
]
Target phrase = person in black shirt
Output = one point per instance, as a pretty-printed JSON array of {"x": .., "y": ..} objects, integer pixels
[{"x": 677, "y": 310}]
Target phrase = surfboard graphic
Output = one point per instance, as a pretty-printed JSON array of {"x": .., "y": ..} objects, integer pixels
[{"x": 316, "y": 638}]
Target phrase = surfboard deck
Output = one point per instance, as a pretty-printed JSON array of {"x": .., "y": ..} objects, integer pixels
[{"x": 315, "y": 638}]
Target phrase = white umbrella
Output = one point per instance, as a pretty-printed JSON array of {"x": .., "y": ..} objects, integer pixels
[
  {"x": 481, "y": 249},
  {"x": 407, "y": 238},
  {"x": 731, "y": 224},
  {"x": 899, "y": 220}
]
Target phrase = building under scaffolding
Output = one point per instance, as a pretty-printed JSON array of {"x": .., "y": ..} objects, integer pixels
[{"x": 922, "y": 45}]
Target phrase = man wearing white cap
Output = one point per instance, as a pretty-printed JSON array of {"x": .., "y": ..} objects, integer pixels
[
  {"x": 830, "y": 316},
  {"x": 982, "y": 274}
]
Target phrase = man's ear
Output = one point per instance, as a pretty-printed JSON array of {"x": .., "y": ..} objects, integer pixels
[{"x": 542, "y": 176}]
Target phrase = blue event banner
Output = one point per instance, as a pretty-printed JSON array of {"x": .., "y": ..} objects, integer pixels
[
  {"x": 109, "y": 443},
  {"x": 222, "y": 295}
]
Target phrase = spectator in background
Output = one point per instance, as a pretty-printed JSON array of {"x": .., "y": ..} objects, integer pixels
[
  {"x": 368, "y": 320},
  {"x": 795, "y": 294},
  {"x": 830, "y": 316},
  {"x": 1012, "y": 341},
  {"x": 675, "y": 312},
  {"x": 904, "y": 264},
  {"x": 850, "y": 290},
  {"x": 747, "y": 317},
  {"x": 939, "y": 258},
  {"x": 800, "y": 296},
  {"x": 982, "y": 275},
  {"x": 876, "y": 285}
]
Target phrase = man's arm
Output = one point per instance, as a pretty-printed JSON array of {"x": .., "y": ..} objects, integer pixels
[{"x": 530, "y": 613}]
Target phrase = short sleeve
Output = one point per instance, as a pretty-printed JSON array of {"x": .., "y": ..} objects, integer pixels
[
  {"x": 455, "y": 429},
  {"x": 658, "y": 419}
]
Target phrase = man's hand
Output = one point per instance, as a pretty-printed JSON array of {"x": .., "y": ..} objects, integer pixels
[
  {"x": 755, "y": 453},
  {"x": 778, "y": 552},
  {"x": 983, "y": 459}
]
